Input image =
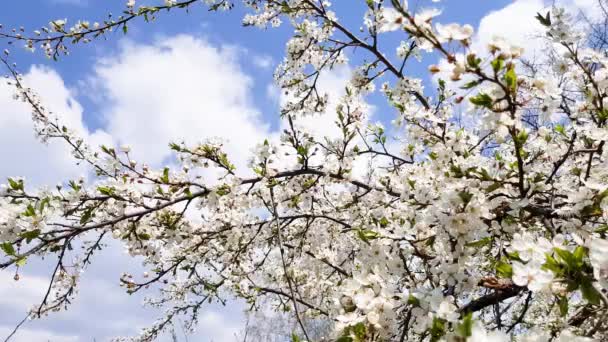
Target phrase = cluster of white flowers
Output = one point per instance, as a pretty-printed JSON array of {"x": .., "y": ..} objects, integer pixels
[{"x": 431, "y": 229}]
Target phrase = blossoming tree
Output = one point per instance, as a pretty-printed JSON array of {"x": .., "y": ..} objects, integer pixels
[{"x": 490, "y": 230}]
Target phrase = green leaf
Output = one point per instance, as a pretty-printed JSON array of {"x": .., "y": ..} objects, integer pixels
[
  {"x": 104, "y": 190},
  {"x": 125, "y": 29},
  {"x": 552, "y": 265},
  {"x": 560, "y": 129},
  {"x": 8, "y": 248},
  {"x": 74, "y": 186},
  {"x": 473, "y": 61},
  {"x": 465, "y": 329},
  {"x": 31, "y": 235},
  {"x": 29, "y": 211},
  {"x": 498, "y": 64},
  {"x": 412, "y": 300},
  {"x": 295, "y": 338},
  {"x": 359, "y": 330},
  {"x": 44, "y": 203},
  {"x": 480, "y": 243},
  {"x": 367, "y": 235},
  {"x": 143, "y": 236},
  {"x": 482, "y": 100},
  {"x": 437, "y": 329},
  {"x": 522, "y": 137},
  {"x": 579, "y": 253},
  {"x": 165, "y": 177},
  {"x": 16, "y": 185},
  {"x": 21, "y": 262},
  {"x": 465, "y": 197},
  {"x": 566, "y": 257},
  {"x": 344, "y": 339},
  {"x": 589, "y": 292},
  {"x": 86, "y": 215},
  {"x": 546, "y": 20},
  {"x": 603, "y": 229},
  {"x": 511, "y": 79},
  {"x": 493, "y": 187},
  {"x": 504, "y": 270},
  {"x": 563, "y": 305}
]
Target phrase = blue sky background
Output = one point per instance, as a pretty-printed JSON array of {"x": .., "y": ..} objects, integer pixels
[
  {"x": 117, "y": 105},
  {"x": 219, "y": 28}
]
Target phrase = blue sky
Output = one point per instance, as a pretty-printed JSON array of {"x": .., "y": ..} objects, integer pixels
[{"x": 198, "y": 74}]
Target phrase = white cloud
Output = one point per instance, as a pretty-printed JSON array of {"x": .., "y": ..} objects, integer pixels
[
  {"x": 20, "y": 151},
  {"x": 515, "y": 22},
  {"x": 29, "y": 335},
  {"x": 262, "y": 61},
  {"x": 179, "y": 88},
  {"x": 25, "y": 293},
  {"x": 176, "y": 88}
]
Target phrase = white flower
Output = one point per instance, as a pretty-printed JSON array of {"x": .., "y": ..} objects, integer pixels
[
  {"x": 125, "y": 148},
  {"x": 479, "y": 334},
  {"x": 448, "y": 311},
  {"x": 424, "y": 18},
  {"x": 598, "y": 254},
  {"x": 58, "y": 25},
  {"x": 454, "y": 32},
  {"x": 170, "y": 2},
  {"x": 532, "y": 276},
  {"x": 373, "y": 318},
  {"x": 131, "y": 3},
  {"x": 392, "y": 20},
  {"x": 530, "y": 248},
  {"x": 535, "y": 335},
  {"x": 568, "y": 336}
]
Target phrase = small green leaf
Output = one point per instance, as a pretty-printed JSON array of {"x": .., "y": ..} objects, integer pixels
[
  {"x": 546, "y": 20},
  {"x": 482, "y": 100},
  {"x": 143, "y": 236},
  {"x": 511, "y": 79},
  {"x": 295, "y": 338},
  {"x": 498, "y": 64},
  {"x": 16, "y": 185},
  {"x": 43, "y": 204},
  {"x": 437, "y": 329},
  {"x": 359, "y": 330},
  {"x": 579, "y": 253},
  {"x": 8, "y": 248},
  {"x": 589, "y": 292},
  {"x": 86, "y": 215},
  {"x": 367, "y": 235},
  {"x": 165, "y": 177},
  {"x": 21, "y": 262},
  {"x": 29, "y": 211},
  {"x": 412, "y": 300},
  {"x": 493, "y": 187},
  {"x": 473, "y": 61},
  {"x": 566, "y": 257},
  {"x": 480, "y": 243},
  {"x": 552, "y": 265},
  {"x": 465, "y": 329},
  {"x": 31, "y": 235},
  {"x": 504, "y": 270},
  {"x": 344, "y": 339},
  {"x": 563, "y": 305}
]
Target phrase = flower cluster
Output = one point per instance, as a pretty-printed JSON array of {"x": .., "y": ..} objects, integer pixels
[{"x": 435, "y": 228}]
